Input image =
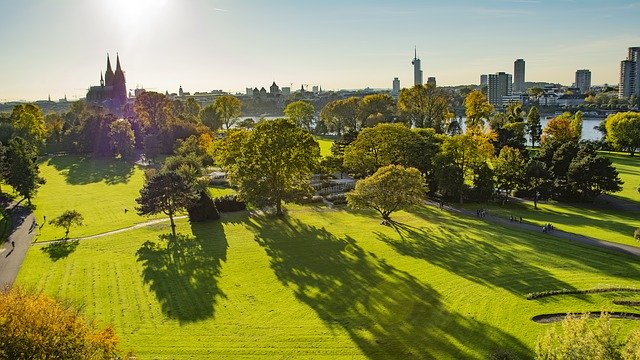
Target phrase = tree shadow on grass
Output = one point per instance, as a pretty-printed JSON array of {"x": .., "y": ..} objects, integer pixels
[
  {"x": 85, "y": 170},
  {"x": 61, "y": 249},
  {"x": 183, "y": 271},
  {"x": 387, "y": 312}
]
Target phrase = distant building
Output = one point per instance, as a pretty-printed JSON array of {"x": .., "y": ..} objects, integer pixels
[
  {"x": 395, "y": 90},
  {"x": 417, "y": 71},
  {"x": 567, "y": 100},
  {"x": 314, "y": 89},
  {"x": 274, "y": 89},
  {"x": 583, "y": 80},
  {"x": 498, "y": 85},
  {"x": 249, "y": 91},
  {"x": 286, "y": 91},
  {"x": 630, "y": 74},
  {"x": 518, "y": 75},
  {"x": 180, "y": 91},
  {"x": 431, "y": 80},
  {"x": 112, "y": 92},
  {"x": 483, "y": 80}
]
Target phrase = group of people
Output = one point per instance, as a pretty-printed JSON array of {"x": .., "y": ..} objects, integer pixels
[
  {"x": 513, "y": 218},
  {"x": 547, "y": 227},
  {"x": 481, "y": 213}
]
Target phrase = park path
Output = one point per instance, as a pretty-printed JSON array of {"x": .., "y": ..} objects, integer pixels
[
  {"x": 23, "y": 229},
  {"x": 621, "y": 248},
  {"x": 129, "y": 228}
]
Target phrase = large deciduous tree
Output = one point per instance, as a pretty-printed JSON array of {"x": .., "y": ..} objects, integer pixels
[
  {"x": 477, "y": 110},
  {"x": 509, "y": 170},
  {"x": 300, "y": 112},
  {"x": 210, "y": 117},
  {"x": 168, "y": 193},
  {"x": 272, "y": 163},
  {"x": 426, "y": 106},
  {"x": 534, "y": 127},
  {"x": 563, "y": 128},
  {"x": 229, "y": 108},
  {"x": 122, "y": 138},
  {"x": 21, "y": 169},
  {"x": 390, "y": 188},
  {"x": 341, "y": 115},
  {"x": 376, "y": 108},
  {"x": 623, "y": 131},
  {"x": 28, "y": 122}
]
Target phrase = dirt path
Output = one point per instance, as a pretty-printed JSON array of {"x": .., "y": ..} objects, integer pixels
[
  {"x": 621, "y": 248},
  {"x": 133, "y": 227},
  {"x": 618, "y": 203},
  {"x": 23, "y": 230}
]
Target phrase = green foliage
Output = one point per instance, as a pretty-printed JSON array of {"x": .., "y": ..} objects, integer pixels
[
  {"x": 165, "y": 192},
  {"x": 203, "y": 209},
  {"x": 341, "y": 115},
  {"x": 578, "y": 340},
  {"x": 229, "y": 203},
  {"x": 67, "y": 219},
  {"x": 210, "y": 117},
  {"x": 122, "y": 138},
  {"x": 28, "y": 123},
  {"x": 636, "y": 234},
  {"x": 272, "y": 164},
  {"x": 426, "y": 106},
  {"x": 191, "y": 110},
  {"x": 509, "y": 169},
  {"x": 301, "y": 113},
  {"x": 153, "y": 110},
  {"x": 379, "y": 146},
  {"x": 20, "y": 167},
  {"x": 623, "y": 131},
  {"x": 34, "y": 326},
  {"x": 477, "y": 110},
  {"x": 228, "y": 108},
  {"x": 563, "y": 128},
  {"x": 390, "y": 188},
  {"x": 534, "y": 126},
  {"x": 591, "y": 175},
  {"x": 376, "y": 108}
]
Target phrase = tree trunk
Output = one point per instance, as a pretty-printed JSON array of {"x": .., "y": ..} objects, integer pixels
[
  {"x": 279, "y": 207},
  {"x": 173, "y": 225}
]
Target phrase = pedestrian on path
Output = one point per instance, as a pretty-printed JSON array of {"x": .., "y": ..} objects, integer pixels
[{"x": 13, "y": 244}]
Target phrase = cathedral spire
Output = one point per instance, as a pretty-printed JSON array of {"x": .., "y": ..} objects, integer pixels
[
  {"x": 118, "y": 62},
  {"x": 108, "y": 75},
  {"x": 108, "y": 64},
  {"x": 101, "y": 79}
]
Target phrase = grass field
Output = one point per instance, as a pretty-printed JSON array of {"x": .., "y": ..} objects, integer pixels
[
  {"x": 325, "y": 145},
  {"x": 329, "y": 284},
  {"x": 100, "y": 189},
  {"x": 591, "y": 220},
  {"x": 629, "y": 169}
]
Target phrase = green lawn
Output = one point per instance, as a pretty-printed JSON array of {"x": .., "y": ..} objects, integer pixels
[
  {"x": 100, "y": 189},
  {"x": 325, "y": 145},
  {"x": 629, "y": 169},
  {"x": 328, "y": 284},
  {"x": 592, "y": 220}
]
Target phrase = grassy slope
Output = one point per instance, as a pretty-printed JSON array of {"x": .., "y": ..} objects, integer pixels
[
  {"x": 329, "y": 283},
  {"x": 325, "y": 145},
  {"x": 100, "y": 189},
  {"x": 585, "y": 219},
  {"x": 629, "y": 169}
]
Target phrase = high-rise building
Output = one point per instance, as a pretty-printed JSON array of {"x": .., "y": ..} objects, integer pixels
[
  {"x": 583, "y": 80},
  {"x": 498, "y": 85},
  {"x": 483, "y": 80},
  {"x": 417, "y": 71},
  {"x": 395, "y": 90},
  {"x": 518, "y": 76},
  {"x": 431, "y": 80},
  {"x": 630, "y": 74}
]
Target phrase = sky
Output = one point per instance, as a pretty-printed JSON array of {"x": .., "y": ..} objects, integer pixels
[{"x": 59, "y": 47}]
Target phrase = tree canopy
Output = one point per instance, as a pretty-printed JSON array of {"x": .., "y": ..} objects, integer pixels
[
  {"x": 426, "y": 106},
  {"x": 67, "y": 219},
  {"x": 228, "y": 108},
  {"x": 623, "y": 131},
  {"x": 477, "y": 110},
  {"x": 300, "y": 112}
]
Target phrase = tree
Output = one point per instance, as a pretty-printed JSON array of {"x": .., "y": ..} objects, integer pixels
[
  {"x": 379, "y": 146},
  {"x": 623, "y": 131},
  {"x": 191, "y": 110},
  {"x": 460, "y": 155},
  {"x": 376, "y": 108},
  {"x": 537, "y": 175},
  {"x": 153, "y": 110},
  {"x": 273, "y": 163},
  {"x": 165, "y": 192},
  {"x": 28, "y": 122},
  {"x": 210, "y": 117},
  {"x": 534, "y": 127},
  {"x": 122, "y": 138},
  {"x": 66, "y": 220},
  {"x": 341, "y": 115},
  {"x": 425, "y": 106},
  {"x": 636, "y": 234},
  {"x": 563, "y": 128},
  {"x": 35, "y": 326},
  {"x": 21, "y": 169},
  {"x": 390, "y": 188},
  {"x": 300, "y": 112},
  {"x": 509, "y": 170},
  {"x": 580, "y": 340},
  {"x": 228, "y": 108},
  {"x": 592, "y": 175},
  {"x": 477, "y": 109}
]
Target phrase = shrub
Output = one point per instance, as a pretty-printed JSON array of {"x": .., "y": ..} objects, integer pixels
[
  {"x": 337, "y": 199},
  {"x": 204, "y": 209},
  {"x": 229, "y": 203},
  {"x": 636, "y": 234},
  {"x": 312, "y": 199},
  {"x": 547, "y": 293},
  {"x": 34, "y": 326}
]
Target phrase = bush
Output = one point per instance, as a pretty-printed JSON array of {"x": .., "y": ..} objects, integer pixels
[
  {"x": 229, "y": 203},
  {"x": 315, "y": 199},
  {"x": 204, "y": 209},
  {"x": 547, "y": 293},
  {"x": 34, "y": 326},
  {"x": 503, "y": 354},
  {"x": 636, "y": 234},
  {"x": 337, "y": 199}
]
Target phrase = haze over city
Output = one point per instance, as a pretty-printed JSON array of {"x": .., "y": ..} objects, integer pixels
[{"x": 59, "y": 48}]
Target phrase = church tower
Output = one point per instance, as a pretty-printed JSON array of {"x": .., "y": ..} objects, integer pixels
[
  {"x": 108, "y": 75},
  {"x": 119, "y": 85}
]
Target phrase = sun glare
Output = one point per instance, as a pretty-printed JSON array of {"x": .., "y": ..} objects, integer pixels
[{"x": 135, "y": 13}]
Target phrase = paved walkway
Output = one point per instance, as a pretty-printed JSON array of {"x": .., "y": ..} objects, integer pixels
[
  {"x": 23, "y": 230},
  {"x": 621, "y": 248}
]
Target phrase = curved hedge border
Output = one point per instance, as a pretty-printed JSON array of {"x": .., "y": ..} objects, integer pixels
[
  {"x": 627, "y": 302},
  {"x": 548, "y": 293},
  {"x": 549, "y": 318}
]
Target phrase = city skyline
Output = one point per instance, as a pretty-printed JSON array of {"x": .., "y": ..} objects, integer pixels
[{"x": 59, "y": 49}]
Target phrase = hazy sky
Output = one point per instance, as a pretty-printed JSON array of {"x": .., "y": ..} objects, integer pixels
[{"x": 59, "y": 47}]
